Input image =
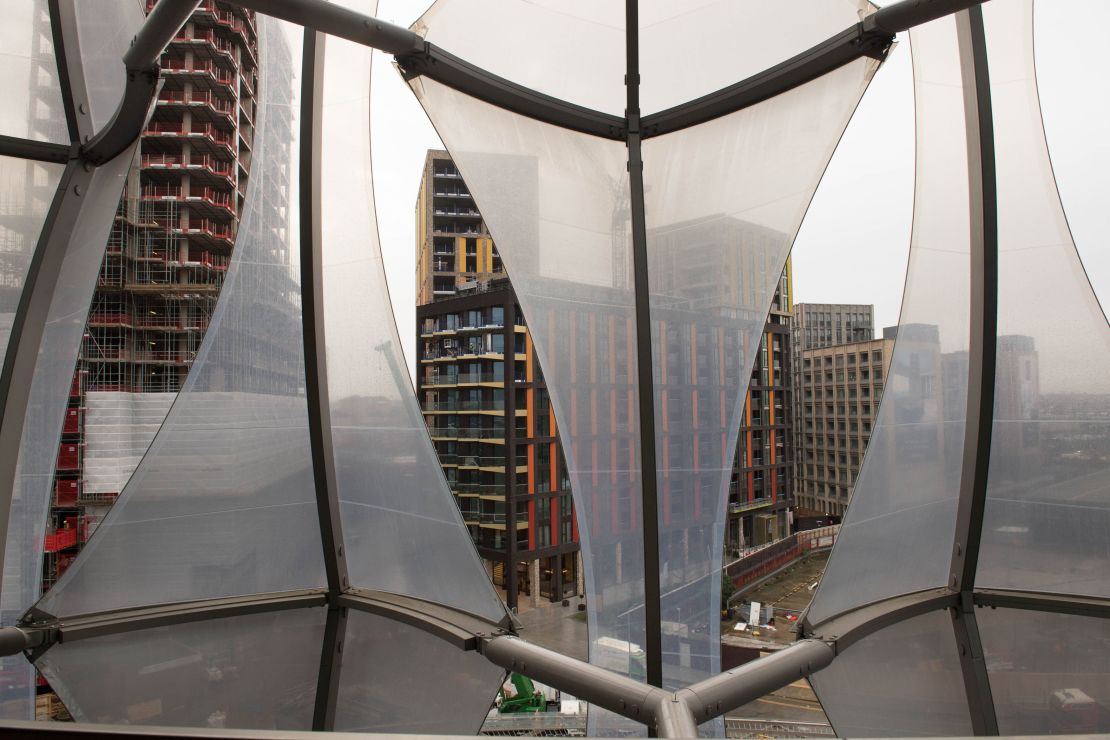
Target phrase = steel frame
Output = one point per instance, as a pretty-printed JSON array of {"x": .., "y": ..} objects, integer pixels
[
  {"x": 983, "y": 330},
  {"x": 667, "y": 713}
]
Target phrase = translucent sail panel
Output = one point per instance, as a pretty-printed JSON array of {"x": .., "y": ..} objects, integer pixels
[
  {"x": 724, "y": 201},
  {"x": 49, "y": 392},
  {"x": 104, "y": 32},
  {"x": 251, "y": 672},
  {"x": 575, "y": 51},
  {"x": 556, "y": 203},
  {"x": 1048, "y": 672},
  {"x": 393, "y": 495},
  {"x": 690, "y": 49},
  {"x": 31, "y": 91},
  {"x": 1047, "y": 523},
  {"x": 903, "y": 681},
  {"x": 26, "y": 191},
  {"x": 897, "y": 532},
  {"x": 223, "y": 503},
  {"x": 399, "y": 679}
]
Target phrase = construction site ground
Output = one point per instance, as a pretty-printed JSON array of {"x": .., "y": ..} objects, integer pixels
[{"x": 789, "y": 592}]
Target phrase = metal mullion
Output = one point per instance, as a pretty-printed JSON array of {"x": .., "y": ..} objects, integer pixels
[
  {"x": 982, "y": 346},
  {"x": 973, "y": 667},
  {"x": 1080, "y": 606},
  {"x": 71, "y": 74},
  {"x": 316, "y": 377},
  {"x": 648, "y": 475},
  {"x": 312, "y": 315},
  {"x": 62, "y": 26},
  {"x": 331, "y": 659}
]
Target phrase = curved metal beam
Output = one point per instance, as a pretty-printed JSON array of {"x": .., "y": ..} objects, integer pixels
[
  {"x": 140, "y": 63},
  {"x": 38, "y": 151},
  {"x": 445, "y": 68},
  {"x": 848, "y": 628},
  {"x": 847, "y": 46},
  {"x": 982, "y": 350},
  {"x": 461, "y": 629}
]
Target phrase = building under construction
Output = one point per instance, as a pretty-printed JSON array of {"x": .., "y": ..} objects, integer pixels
[{"x": 163, "y": 268}]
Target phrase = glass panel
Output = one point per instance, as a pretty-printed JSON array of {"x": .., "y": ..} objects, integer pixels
[
  {"x": 902, "y": 681},
  {"x": 556, "y": 203},
  {"x": 1048, "y": 672},
  {"x": 1047, "y": 523},
  {"x": 393, "y": 495},
  {"x": 897, "y": 532},
  {"x": 575, "y": 50},
  {"x": 223, "y": 503},
  {"x": 252, "y": 672},
  {"x": 724, "y": 201},
  {"x": 104, "y": 32},
  {"x": 32, "y": 96},
  {"x": 399, "y": 679}
]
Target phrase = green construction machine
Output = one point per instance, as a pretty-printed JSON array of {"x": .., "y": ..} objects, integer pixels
[{"x": 525, "y": 698}]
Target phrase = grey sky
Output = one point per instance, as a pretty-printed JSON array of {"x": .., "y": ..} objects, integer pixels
[{"x": 853, "y": 245}]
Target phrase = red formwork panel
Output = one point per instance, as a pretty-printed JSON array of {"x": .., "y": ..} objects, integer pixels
[
  {"x": 72, "y": 423},
  {"x": 66, "y": 492},
  {"x": 69, "y": 456}
]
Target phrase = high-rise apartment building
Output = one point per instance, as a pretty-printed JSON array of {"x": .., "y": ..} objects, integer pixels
[
  {"x": 820, "y": 487},
  {"x": 837, "y": 393},
  {"x": 453, "y": 247},
  {"x": 761, "y": 491},
  {"x": 164, "y": 264},
  {"x": 483, "y": 396}
]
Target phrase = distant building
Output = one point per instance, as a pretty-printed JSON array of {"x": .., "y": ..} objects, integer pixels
[
  {"x": 825, "y": 324},
  {"x": 484, "y": 399},
  {"x": 837, "y": 393}
]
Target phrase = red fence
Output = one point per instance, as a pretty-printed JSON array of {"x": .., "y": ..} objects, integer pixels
[{"x": 763, "y": 562}]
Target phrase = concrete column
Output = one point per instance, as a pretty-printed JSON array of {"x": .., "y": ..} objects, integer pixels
[
  {"x": 534, "y": 577},
  {"x": 617, "y": 558},
  {"x": 579, "y": 574},
  {"x": 556, "y": 577}
]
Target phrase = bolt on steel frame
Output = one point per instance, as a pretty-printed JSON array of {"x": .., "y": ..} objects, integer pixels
[{"x": 667, "y": 713}]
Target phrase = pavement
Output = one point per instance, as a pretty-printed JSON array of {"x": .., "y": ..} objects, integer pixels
[{"x": 556, "y": 627}]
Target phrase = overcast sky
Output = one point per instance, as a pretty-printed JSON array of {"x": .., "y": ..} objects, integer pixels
[{"x": 853, "y": 245}]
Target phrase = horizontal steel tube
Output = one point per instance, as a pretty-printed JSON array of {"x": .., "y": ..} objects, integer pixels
[
  {"x": 722, "y": 693},
  {"x": 341, "y": 22},
  {"x": 598, "y": 686},
  {"x": 39, "y": 151},
  {"x": 14, "y": 640},
  {"x": 904, "y": 15}
]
